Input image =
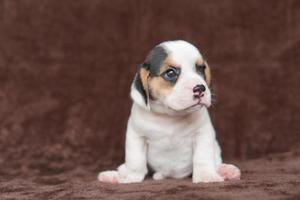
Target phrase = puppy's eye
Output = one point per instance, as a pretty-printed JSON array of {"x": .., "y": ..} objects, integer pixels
[
  {"x": 200, "y": 68},
  {"x": 170, "y": 74}
]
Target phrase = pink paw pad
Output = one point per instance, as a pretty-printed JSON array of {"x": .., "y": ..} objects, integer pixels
[
  {"x": 229, "y": 172},
  {"x": 108, "y": 177}
]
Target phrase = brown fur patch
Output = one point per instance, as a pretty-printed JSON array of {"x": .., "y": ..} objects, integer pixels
[
  {"x": 200, "y": 61},
  {"x": 159, "y": 87},
  {"x": 169, "y": 62},
  {"x": 144, "y": 74},
  {"x": 207, "y": 73}
]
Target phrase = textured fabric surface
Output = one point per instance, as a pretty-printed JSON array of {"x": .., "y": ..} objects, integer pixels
[
  {"x": 66, "y": 69},
  {"x": 274, "y": 177}
]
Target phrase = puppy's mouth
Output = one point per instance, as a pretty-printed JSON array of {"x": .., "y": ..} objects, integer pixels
[
  {"x": 198, "y": 103},
  {"x": 191, "y": 107},
  {"x": 195, "y": 106}
]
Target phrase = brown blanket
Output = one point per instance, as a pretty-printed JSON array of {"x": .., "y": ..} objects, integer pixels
[
  {"x": 65, "y": 72},
  {"x": 272, "y": 177}
]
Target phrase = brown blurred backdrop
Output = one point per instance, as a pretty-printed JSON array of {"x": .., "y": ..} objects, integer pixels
[{"x": 66, "y": 69}]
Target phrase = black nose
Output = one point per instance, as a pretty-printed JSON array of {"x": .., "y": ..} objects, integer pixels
[{"x": 199, "y": 88}]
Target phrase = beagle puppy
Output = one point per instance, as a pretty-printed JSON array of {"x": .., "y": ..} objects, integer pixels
[{"x": 169, "y": 129}]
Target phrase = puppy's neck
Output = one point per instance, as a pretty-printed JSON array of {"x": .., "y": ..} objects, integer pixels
[
  {"x": 158, "y": 110},
  {"x": 143, "y": 119}
]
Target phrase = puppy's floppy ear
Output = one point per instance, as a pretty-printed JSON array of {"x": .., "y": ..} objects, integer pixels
[
  {"x": 144, "y": 77},
  {"x": 141, "y": 83},
  {"x": 207, "y": 74}
]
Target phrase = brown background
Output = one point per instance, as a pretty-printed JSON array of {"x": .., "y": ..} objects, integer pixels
[{"x": 66, "y": 68}]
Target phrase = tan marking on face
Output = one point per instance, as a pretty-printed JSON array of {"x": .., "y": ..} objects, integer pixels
[
  {"x": 144, "y": 74},
  {"x": 207, "y": 73},
  {"x": 169, "y": 62},
  {"x": 200, "y": 61},
  {"x": 159, "y": 87}
]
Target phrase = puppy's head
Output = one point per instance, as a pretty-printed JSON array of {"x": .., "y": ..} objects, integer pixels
[{"x": 174, "y": 78}]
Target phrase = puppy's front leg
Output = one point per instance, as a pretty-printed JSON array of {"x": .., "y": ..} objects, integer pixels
[
  {"x": 204, "y": 164},
  {"x": 135, "y": 167}
]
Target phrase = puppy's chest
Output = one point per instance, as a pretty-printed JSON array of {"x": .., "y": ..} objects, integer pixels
[
  {"x": 158, "y": 131},
  {"x": 167, "y": 133}
]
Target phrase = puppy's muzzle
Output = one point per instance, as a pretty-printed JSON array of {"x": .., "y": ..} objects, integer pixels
[{"x": 199, "y": 91}]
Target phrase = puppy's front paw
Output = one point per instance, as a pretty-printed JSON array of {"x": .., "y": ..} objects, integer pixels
[
  {"x": 206, "y": 176},
  {"x": 129, "y": 176},
  {"x": 229, "y": 172},
  {"x": 109, "y": 177},
  {"x": 122, "y": 175},
  {"x": 158, "y": 176}
]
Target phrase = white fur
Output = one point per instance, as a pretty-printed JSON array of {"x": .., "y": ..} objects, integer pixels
[{"x": 176, "y": 140}]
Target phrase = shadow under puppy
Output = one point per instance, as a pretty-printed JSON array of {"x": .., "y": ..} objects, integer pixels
[{"x": 169, "y": 128}]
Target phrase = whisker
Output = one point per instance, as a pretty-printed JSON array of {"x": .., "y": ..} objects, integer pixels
[
  {"x": 204, "y": 52},
  {"x": 213, "y": 94},
  {"x": 214, "y": 100}
]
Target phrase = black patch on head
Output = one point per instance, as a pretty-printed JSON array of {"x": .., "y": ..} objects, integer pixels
[
  {"x": 155, "y": 59},
  {"x": 152, "y": 63}
]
